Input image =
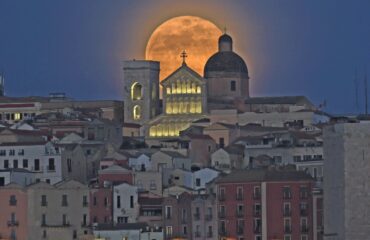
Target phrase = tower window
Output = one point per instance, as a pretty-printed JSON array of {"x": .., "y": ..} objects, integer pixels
[
  {"x": 136, "y": 91},
  {"x": 233, "y": 86},
  {"x": 137, "y": 112}
]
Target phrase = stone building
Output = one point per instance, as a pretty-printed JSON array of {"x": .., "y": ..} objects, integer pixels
[{"x": 346, "y": 181}]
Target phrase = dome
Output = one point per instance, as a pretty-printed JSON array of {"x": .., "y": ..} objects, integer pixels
[
  {"x": 225, "y": 38},
  {"x": 225, "y": 62}
]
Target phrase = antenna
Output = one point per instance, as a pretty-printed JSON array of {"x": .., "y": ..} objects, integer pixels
[
  {"x": 356, "y": 91},
  {"x": 365, "y": 83}
]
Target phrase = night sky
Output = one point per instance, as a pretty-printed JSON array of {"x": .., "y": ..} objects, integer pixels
[{"x": 311, "y": 48}]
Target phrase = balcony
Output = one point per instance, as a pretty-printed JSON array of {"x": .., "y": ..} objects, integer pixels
[
  {"x": 304, "y": 229},
  {"x": 13, "y": 202},
  {"x": 44, "y": 203},
  {"x": 287, "y": 212},
  {"x": 50, "y": 168},
  {"x": 197, "y": 216},
  {"x": 287, "y": 229},
  {"x": 13, "y": 223},
  {"x": 85, "y": 204},
  {"x": 239, "y": 197},
  {"x": 209, "y": 217}
]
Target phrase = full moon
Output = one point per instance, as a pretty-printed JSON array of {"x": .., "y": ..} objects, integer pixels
[{"x": 197, "y": 36}]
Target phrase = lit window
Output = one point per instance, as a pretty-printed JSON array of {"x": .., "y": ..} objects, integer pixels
[
  {"x": 17, "y": 116},
  {"x": 137, "y": 112},
  {"x": 136, "y": 91}
]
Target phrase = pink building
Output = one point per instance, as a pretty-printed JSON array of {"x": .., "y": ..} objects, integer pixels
[
  {"x": 265, "y": 204},
  {"x": 13, "y": 209},
  {"x": 101, "y": 205}
]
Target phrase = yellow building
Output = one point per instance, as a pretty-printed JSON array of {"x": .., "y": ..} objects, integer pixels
[{"x": 184, "y": 101}]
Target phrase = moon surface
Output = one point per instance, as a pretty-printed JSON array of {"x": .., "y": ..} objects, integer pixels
[{"x": 197, "y": 36}]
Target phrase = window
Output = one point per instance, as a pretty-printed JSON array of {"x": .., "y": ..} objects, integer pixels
[
  {"x": 240, "y": 210},
  {"x": 297, "y": 158},
  {"x": 287, "y": 209},
  {"x": 240, "y": 227},
  {"x": 44, "y": 202},
  {"x": 21, "y": 152},
  {"x": 257, "y": 225},
  {"x": 13, "y": 200},
  {"x": 84, "y": 220},
  {"x": 233, "y": 86},
  {"x": 221, "y": 142},
  {"x": 95, "y": 201},
  {"x": 74, "y": 234},
  {"x": 136, "y": 91},
  {"x": 210, "y": 232},
  {"x": 222, "y": 213},
  {"x": 118, "y": 201},
  {"x": 304, "y": 225},
  {"x": 105, "y": 202},
  {"x": 303, "y": 208},
  {"x": 69, "y": 164},
  {"x": 37, "y": 164},
  {"x": 51, "y": 166},
  {"x": 11, "y": 152},
  {"x": 43, "y": 219},
  {"x": 257, "y": 210},
  {"x": 287, "y": 193},
  {"x": 47, "y": 181},
  {"x": 287, "y": 237},
  {"x": 6, "y": 164},
  {"x": 25, "y": 163},
  {"x": 183, "y": 215},
  {"x": 197, "y": 182},
  {"x": 184, "y": 230},
  {"x": 84, "y": 201},
  {"x": 287, "y": 225},
  {"x": 257, "y": 192},
  {"x": 64, "y": 200},
  {"x": 64, "y": 220},
  {"x": 2, "y": 152},
  {"x": 131, "y": 201},
  {"x": 153, "y": 185},
  {"x": 169, "y": 230},
  {"x": 303, "y": 192},
  {"x": 15, "y": 163},
  {"x": 221, "y": 197},
  {"x": 168, "y": 212},
  {"x": 223, "y": 228},
  {"x": 304, "y": 237},
  {"x": 258, "y": 237},
  {"x": 136, "y": 112},
  {"x": 44, "y": 234},
  {"x": 239, "y": 193}
]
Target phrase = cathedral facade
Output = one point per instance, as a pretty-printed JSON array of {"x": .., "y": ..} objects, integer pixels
[{"x": 186, "y": 96}]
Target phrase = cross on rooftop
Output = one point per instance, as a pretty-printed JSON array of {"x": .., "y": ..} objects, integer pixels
[{"x": 183, "y": 55}]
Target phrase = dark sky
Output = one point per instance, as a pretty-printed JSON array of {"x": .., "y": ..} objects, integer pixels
[{"x": 310, "y": 48}]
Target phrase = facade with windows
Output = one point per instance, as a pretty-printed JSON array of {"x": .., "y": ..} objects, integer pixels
[
  {"x": 265, "y": 204},
  {"x": 59, "y": 211},
  {"x": 43, "y": 159},
  {"x": 125, "y": 203}
]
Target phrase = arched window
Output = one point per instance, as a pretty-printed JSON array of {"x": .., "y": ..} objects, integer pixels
[
  {"x": 137, "y": 112},
  {"x": 136, "y": 91}
]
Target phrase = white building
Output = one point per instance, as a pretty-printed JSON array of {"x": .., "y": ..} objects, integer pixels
[
  {"x": 42, "y": 158},
  {"x": 125, "y": 203}
]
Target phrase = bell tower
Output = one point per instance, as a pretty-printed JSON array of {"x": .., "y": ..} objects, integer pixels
[{"x": 140, "y": 90}]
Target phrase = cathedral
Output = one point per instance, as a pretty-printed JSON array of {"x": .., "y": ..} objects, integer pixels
[{"x": 186, "y": 96}]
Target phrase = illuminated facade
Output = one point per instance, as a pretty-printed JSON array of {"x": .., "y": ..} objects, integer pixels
[{"x": 184, "y": 101}]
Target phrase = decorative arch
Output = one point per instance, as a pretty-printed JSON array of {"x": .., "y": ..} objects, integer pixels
[
  {"x": 136, "y": 91},
  {"x": 136, "y": 112}
]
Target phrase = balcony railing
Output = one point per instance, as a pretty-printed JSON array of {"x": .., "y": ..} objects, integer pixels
[
  {"x": 13, "y": 202},
  {"x": 13, "y": 223}
]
